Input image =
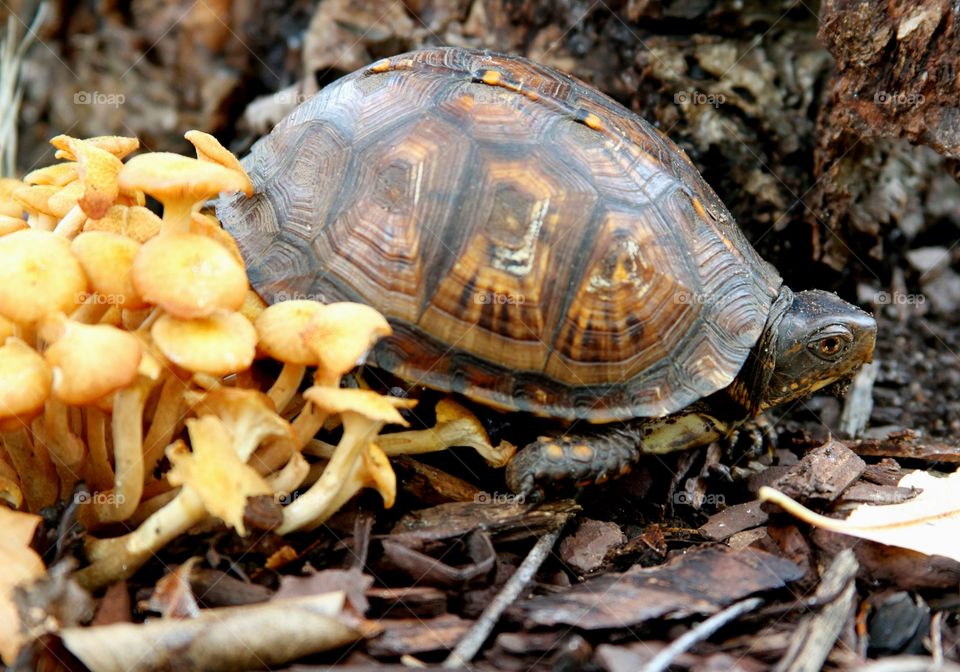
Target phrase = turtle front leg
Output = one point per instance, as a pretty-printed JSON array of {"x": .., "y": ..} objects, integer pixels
[
  {"x": 605, "y": 452},
  {"x": 553, "y": 461}
]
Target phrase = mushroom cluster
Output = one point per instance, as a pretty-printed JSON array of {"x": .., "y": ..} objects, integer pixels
[{"x": 127, "y": 338}]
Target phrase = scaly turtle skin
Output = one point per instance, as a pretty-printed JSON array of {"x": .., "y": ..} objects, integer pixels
[{"x": 538, "y": 248}]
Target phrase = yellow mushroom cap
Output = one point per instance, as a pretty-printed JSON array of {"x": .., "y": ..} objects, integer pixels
[
  {"x": 343, "y": 333},
  {"x": 9, "y": 206},
  {"x": 107, "y": 259},
  {"x": 371, "y": 405},
  {"x": 219, "y": 344},
  {"x": 57, "y": 175},
  {"x": 11, "y": 224},
  {"x": 89, "y": 361},
  {"x": 279, "y": 327},
  {"x": 117, "y": 145},
  {"x": 38, "y": 275},
  {"x": 171, "y": 177},
  {"x": 25, "y": 381},
  {"x": 189, "y": 275},
  {"x": 7, "y": 329},
  {"x": 97, "y": 170},
  {"x": 136, "y": 222},
  {"x": 209, "y": 226},
  {"x": 209, "y": 149},
  {"x": 36, "y": 199}
]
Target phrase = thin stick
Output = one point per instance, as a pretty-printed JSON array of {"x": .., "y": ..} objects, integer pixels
[
  {"x": 468, "y": 647},
  {"x": 679, "y": 646}
]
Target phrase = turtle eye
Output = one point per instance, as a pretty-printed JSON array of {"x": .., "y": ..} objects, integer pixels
[{"x": 830, "y": 343}]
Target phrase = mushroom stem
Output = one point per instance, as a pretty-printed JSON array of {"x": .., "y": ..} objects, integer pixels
[
  {"x": 66, "y": 448},
  {"x": 127, "y": 425},
  {"x": 286, "y": 385},
  {"x": 90, "y": 311},
  {"x": 120, "y": 557},
  {"x": 177, "y": 215},
  {"x": 72, "y": 222},
  {"x": 97, "y": 472},
  {"x": 163, "y": 424},
  {"x": 337, "y": 484},
  {"x": 41, "y": 486}
]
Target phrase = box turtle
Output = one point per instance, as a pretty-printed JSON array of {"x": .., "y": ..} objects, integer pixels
[{"x": 539, "y": 248}]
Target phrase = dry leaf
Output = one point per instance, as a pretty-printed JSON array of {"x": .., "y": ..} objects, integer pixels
[
  {"x": 21, "y": 565},
  {"x": 929, "y": 523}
]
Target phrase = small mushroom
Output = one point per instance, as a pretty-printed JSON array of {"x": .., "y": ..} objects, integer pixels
[
  {"x": 220, "y": 344},
  {"x": 248, "y": 414},
  {"x": 456, "y": 426},
  {"x": 127, "y": 429},
  {"x": 215, "y": 471},
  {"x": 36, "y": 201},
  {"x": 278, "y": 330},
  {"x": 107, "y": 261},
  {"x": 11, "y": 224},
  {"x": 9, "y": 207},
  {"x": 97, "y": 171},
  {"x": 38, "y": 275},
  {"x": 342, "y": 334},
  {"x": 89, "y": 361},
  {"x": 209, "y": 149},
  {"x": 131, "y": 221},
  {"x": 355, "y": 463},
  {"x": 180, "y": 183},
  {"x": 189, "y": 275},
  {"x": 117, "y": 145},
  {"x": 25, "y": 384}
]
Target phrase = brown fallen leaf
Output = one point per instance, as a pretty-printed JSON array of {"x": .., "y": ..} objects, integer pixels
[
  {"x": 699, "y": 582},
  {"x": 231, "y": 638},
  {"x": 21, "y": 565},
  {"x": 929, "y": 523}
]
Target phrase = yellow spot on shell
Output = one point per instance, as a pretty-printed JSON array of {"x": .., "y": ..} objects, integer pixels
[
  {"x": 381, "y": 66},
  {"x": 698, "y": 206},
  {"x": 491, "y": 77},
  {"x": 593, "y": 121},
  {"x": 554, "y": 452},
  {"x": 582, "y": 451}
]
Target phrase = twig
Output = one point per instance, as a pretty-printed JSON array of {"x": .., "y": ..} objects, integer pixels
[
  {"x": 468, "y": 647},
  {"x": 816, "y": 635},
  {"x": 663, "y": 660}
]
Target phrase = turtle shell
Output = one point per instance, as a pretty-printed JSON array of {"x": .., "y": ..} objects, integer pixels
[{"x": 535, "y": 245}]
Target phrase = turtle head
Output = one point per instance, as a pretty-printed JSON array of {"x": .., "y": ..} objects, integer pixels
[{"x": 818, "y": 340}]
